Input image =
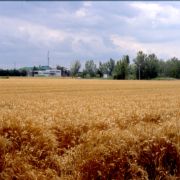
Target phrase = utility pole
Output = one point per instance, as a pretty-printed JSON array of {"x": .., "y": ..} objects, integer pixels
[{"x": 139, "y": 71}]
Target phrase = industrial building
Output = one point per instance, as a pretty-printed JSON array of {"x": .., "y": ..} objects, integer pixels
[{"x": 48, "y": 73}]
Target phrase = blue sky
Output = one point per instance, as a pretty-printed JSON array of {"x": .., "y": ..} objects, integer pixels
[{"x": 86, "y": 30}]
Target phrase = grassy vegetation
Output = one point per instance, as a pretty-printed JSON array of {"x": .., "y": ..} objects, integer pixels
[
  {"x": 164, "y": 78},
  {"x": 89, "y": 129},
  {"x": 4, "y": 77}
]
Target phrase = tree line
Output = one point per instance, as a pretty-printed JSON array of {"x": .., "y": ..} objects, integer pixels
[
  {"x": 144, "y": 66},
  {"x": 12, "y": 72}
]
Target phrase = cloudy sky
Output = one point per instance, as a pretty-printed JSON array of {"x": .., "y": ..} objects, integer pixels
[{"x": 86, "y": 30}]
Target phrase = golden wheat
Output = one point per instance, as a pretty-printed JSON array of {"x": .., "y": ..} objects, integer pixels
[{"x": 89, "y": 129}]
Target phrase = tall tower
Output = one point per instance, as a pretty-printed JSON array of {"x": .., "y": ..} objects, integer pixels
[{"x": 48, "y": 58}]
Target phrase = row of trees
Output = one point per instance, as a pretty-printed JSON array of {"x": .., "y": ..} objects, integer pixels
[
  {"x": 91, "y": 69},
  {"x": 12, "y": 72},
  {"x": 144, "y": 66}
]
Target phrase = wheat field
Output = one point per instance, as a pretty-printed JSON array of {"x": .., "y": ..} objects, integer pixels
[{"x": 89, "y": 129}]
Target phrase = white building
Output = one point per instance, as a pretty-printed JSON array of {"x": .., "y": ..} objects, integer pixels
[
  {"x": 48, "y": 73},
  {"x": 105, "y": 76}
]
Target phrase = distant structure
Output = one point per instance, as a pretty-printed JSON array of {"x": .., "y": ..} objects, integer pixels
[
  {"x": 47, "y": 71},
  {"x": 105, "y": 76},
  {"x": 44, "y": 71}
]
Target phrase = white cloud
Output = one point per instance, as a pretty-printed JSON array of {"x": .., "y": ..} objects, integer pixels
[
  {"x": 88, "y": 44},
  {"x": 84, "y": 10},
  {"x": 40, "y": 34},
  {"x": 32, "y": 33},
  {"x": 160, "y": 13},
  {"x": 127, "y": 43},
  {"x": 87, "y": 4},
  {"x": 81, "y": 12},
  {"x": 132, "y": 46}
]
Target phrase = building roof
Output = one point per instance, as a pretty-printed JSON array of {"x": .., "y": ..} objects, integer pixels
[
  {"x": 44, "y": 68},
  {"x": 26, "y": 68},
  {"x": 39, "y": 68}
]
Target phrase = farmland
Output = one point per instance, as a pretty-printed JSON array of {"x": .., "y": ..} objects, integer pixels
[{"x": 89, "y": 129}]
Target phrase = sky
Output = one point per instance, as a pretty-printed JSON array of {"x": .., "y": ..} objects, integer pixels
[{"x": 85, "y": 30}]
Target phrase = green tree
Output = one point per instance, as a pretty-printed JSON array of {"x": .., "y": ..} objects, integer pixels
[
  {"x": 103, "y": 68},
  {"x": 75, "y": 67},
  {"x": 140, "y": 65},
  {"x": 147, "y": 66},
  {"x": 173, "y": 68},
  {"x": 132, "y": 71},
  {"x": 162, "y": 71},
  {"x": 151, "y": 66},
  {"x": 110, "y": 66},
  {"x": 121, "y": 68},
  {"x": 90, "y": 68},
  {"x": 106, "y": 68}
]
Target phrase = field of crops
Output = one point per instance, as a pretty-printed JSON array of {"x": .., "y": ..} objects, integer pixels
[{"x": 89, "y": 129}]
